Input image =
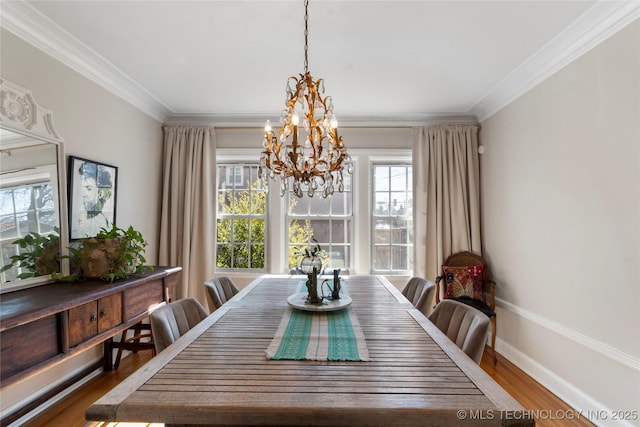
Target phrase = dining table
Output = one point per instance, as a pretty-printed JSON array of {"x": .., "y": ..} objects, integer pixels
[{"x": 233, "y": 368}]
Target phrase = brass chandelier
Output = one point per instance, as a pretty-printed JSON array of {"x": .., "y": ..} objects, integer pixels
[{"x": 316, "y": 165}]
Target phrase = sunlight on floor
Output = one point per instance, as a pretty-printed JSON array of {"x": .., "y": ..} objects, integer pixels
[{"x": 105, "y": 424}]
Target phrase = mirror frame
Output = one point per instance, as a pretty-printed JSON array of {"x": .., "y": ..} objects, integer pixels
[{"x": 20, "y": 113}]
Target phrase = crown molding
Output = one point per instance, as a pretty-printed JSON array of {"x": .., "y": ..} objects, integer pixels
[
  {"x": 598, "y": 23},
  {"x": 29, "y": 24},
  {"x": 594, "y": 26},
  {"x": 387, "y": 120}
]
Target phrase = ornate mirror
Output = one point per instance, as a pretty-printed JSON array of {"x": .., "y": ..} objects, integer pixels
[{"x": 32, "y": 191}]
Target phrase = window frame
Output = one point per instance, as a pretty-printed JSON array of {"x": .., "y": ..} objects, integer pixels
[
  {"x": 390, "y": 162},
  {"x": 276, "y": 240},
  {"x": 238, "y": 161},
  {"x": 329, "y": 217}
]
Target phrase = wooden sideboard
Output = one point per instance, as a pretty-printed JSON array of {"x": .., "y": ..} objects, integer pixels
[{"x": 43, "y": 325}]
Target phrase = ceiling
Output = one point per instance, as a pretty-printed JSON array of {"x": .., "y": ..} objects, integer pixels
[{"x": 382, "y": 61}]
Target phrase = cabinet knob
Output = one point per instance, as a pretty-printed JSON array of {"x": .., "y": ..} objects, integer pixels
[
  {"x": 102, "y": 312},
  {"x": 92, "y": 317}
]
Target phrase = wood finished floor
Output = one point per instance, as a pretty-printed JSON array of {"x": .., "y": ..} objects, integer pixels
[{"x": 532, "y": 396}]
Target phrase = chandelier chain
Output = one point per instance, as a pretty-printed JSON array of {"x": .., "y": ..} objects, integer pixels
[{"x": 306, "y": 35}]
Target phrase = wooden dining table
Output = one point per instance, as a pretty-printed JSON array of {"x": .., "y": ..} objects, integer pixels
[{"x": 218, "y": 373}]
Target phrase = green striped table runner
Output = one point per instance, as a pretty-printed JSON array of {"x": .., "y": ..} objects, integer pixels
[{"x": 334, "y": 336}]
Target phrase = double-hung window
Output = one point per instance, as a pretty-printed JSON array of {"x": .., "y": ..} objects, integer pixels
[
  {"x": 329, "y": 221},
  {"x": 241, "y": 217},
  {"x": 392, "y": 219}
]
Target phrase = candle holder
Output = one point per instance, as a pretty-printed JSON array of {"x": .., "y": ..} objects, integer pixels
[
  {"x": 312, "y": 287},
  {"x": 335, "y": 291}
]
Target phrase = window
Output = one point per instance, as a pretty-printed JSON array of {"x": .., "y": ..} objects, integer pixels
[
  {"x": 241, "y": 217},
  {"x": 23, "y": 209},
  {"x": 329, "y": 221},
  {"x": 392, "y": 218},
  {"x": 344, "y": 225},
  {"x": 234, "y": 176}
]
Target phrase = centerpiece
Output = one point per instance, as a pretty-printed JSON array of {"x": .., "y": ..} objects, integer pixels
[
  {"x": 311, "y": 258},
  {"x": 315, "y": 299}
]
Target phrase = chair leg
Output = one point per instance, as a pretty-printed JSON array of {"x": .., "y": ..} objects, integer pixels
[
  {"x": 134, "y": 343},
  {"x": 120, "y": 348},
  {"x": 493, "y": 339}
]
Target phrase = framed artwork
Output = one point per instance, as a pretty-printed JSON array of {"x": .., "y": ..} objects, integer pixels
[{"x": 92, "y": 197}]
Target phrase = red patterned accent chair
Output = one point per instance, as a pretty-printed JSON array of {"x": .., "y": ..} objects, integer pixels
[{"x": 465, "y": 277}]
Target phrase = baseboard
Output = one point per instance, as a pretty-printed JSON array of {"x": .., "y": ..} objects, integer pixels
[
  {"x": 582, "y": 402},
  {"x": 28, "y": 410}
]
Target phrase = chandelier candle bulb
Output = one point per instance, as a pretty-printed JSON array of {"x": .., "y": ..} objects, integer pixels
[
  {"x": 294, "y": 122},
  {"x": 334, "y": 127}
]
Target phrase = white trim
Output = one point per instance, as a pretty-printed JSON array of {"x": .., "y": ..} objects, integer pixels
[
  {"x": 22, "y": 114},
  {"x": 32, "y": 26},
  {"x": 387, "y": 120},
  {"x": 582, "y": 403},
  {"x": 599, "y": 22},
  {"x": 592, "y": 344},
  {"x": 55, "y": 399}
]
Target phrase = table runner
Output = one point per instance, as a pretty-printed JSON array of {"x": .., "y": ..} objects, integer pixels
[{"x": 332, "y": 336}]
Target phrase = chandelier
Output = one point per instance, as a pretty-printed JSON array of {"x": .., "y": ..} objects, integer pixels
[{"x": 316, "y": 164}]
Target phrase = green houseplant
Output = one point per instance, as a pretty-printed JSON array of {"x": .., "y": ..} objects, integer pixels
[
  {"x": 114, "y": 253},
  {"x": 39, "y": 254}
]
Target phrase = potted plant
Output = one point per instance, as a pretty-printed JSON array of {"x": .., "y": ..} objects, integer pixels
[
  {"x": 114, "y": 253},
  {"x": 39, "y": 254}
]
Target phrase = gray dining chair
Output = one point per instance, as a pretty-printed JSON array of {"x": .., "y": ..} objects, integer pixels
[
  {"x": 421, "y": 293},
  {"x": 466, "y": 326},
  {"x": 219, "y": 291},
  {"x": 171, "y": 321}
]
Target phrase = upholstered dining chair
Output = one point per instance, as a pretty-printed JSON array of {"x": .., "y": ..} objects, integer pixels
[
  {"x": 219, "y": 291},
  {"x": 464, "y": 325},
  {"x": 170, "y": 322},
  {"x": 420, "y": 292},
  {"x": 466, "y": 278}
]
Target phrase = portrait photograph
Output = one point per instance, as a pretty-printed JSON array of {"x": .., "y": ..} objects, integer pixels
[{"x": 92, "y": 197}]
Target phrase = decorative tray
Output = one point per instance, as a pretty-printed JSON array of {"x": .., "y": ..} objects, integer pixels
[{"x": 299, "y": 301}]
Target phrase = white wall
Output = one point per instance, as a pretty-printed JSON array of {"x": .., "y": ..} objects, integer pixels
[
  {"x": 99, "y": 126},
  {"x": 561, "y": 227}
]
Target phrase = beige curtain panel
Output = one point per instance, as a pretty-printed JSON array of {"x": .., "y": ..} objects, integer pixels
[
  {"x": 446, "y": 192},
  {"x": 187, "y": 234}
]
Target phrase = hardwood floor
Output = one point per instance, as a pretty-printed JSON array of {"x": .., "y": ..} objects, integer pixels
[
  {"x": 545, "y": 407},
  {"x": 70, "y": 411}
]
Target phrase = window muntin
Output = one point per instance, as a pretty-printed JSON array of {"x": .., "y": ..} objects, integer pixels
[
  {"x": 329, "y": 221},
  {"x": 241, "y": 218},
  {"x": 392, "y": 218}
]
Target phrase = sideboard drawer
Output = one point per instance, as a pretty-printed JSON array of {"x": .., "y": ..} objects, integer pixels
[
  {"x": 29, "y": 344},
  {"x": 138, "y": 299}
]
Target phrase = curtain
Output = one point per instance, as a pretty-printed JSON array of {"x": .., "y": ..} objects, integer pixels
[
  {"x": 446, "y": 181},
  {"x": 188, "y": 201}
]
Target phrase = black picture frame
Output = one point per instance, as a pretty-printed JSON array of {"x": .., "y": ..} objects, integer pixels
[{"x": 92, "y": 197}]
